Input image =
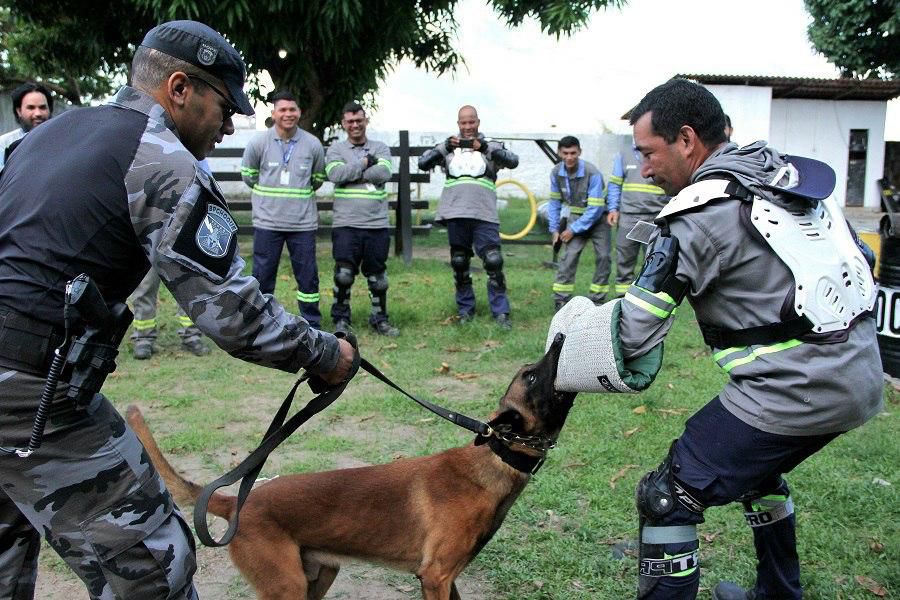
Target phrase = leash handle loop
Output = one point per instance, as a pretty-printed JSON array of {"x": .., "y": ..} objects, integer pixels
[{"x": 250, "y": 467}]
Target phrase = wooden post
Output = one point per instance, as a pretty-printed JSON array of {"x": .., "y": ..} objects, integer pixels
[{"x": 403, "y": 234}]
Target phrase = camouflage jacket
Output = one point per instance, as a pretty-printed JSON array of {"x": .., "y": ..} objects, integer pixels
[{"x": 111, "y": 190}]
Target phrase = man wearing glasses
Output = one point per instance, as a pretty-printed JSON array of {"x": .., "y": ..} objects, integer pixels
[{"x": 112, "y": 191}]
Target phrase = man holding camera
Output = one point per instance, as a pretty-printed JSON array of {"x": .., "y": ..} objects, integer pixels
[{"x": 468, "y": 207}]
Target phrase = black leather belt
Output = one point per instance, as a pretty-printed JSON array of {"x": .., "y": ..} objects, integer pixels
[{"x": 26, "y": 344}]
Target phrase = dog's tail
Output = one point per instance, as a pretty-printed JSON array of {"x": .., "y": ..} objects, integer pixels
[{"x": 184, "y": 491}]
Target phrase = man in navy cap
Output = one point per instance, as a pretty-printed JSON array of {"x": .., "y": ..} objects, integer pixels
[
  {"x": 112, "y": 191},
  {"x": 755, "y": 241}
]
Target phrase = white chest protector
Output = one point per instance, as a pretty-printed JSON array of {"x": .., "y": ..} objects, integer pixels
[
  {"x": 832, "y": 280},
  {"x": 466, "y": 162}
]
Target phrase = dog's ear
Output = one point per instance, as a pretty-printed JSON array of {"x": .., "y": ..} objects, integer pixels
[
  {"x": 507, "y": 420},
  {"x": 508, "y": 417}
]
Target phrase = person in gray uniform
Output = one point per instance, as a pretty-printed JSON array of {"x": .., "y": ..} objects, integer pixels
[
  {"x": 89, "y": 489},
  {"x": 783, "y": 292},
  {"x": 576, "y": 216},
  {"x": 631, "y": 199},
  {"x": 284, "y": 166},
  {"x": 360, "y": 237},
  {"x": 468, "y": 207},
  {"x": 144, "y": 303}
]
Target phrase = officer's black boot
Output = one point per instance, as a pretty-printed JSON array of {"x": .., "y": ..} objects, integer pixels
[{"x": 726, "y": 590}]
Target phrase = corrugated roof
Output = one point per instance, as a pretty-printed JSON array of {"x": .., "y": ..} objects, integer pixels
[{"x": 807, "y": 87}]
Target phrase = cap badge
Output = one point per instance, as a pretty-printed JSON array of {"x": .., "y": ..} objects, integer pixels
[{"x": 207, "y": 54}]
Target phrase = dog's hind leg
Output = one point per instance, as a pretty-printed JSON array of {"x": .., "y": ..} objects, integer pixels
[
  {"x": 319, "y": 586},
  {"x": 436, "y": 589},
  {"x": 320, "y": 570},
  {"x": 272, "y": 565}
]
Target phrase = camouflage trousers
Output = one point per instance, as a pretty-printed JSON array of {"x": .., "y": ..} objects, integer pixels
[
  {"x": 144, "y": 302},
  {"x": 92, "y": 493}
]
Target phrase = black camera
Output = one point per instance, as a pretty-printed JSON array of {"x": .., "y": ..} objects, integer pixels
[{"x": 467, "y": 143}]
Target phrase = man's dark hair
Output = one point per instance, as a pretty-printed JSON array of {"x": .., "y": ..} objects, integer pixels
[
  {"x": 679, "y": 102},
  {"x": 353, "y": 107},
  {"x": 26, "y": 88},
  {"x": 284, "y": 95},
  {"x": 568, "y": 141}
]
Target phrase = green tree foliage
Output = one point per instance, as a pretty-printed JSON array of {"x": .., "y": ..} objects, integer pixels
[
  {"x": 325, "y": 52},
  {"x": 861, "y": 37}
]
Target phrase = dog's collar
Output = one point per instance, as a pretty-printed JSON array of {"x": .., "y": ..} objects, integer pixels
[{"x": 526, "y": 463}]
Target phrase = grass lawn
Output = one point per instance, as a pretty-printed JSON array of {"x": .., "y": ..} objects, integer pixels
[{"x": 557, "y": 540}]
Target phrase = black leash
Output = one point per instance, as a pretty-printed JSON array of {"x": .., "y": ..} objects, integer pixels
[{"x": 279, "y": 430}]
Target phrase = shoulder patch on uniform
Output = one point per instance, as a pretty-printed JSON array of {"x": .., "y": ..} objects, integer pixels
[{"x": 215, "y": 231}]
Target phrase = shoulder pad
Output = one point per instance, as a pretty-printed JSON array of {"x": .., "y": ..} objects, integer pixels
[{"x": 694, "y": 195}]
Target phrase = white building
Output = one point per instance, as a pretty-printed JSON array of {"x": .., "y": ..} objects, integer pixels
[{"x": 837, "y": 121}]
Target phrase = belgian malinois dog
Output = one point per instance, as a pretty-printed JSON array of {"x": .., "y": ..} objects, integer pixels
[{"x": 429, "y": 515}]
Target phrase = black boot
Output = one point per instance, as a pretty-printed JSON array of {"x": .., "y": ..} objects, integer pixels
[{"x": 726, "y": 590}]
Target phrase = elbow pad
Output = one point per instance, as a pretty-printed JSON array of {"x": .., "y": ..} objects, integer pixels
[{"x": 658, "y": 273}]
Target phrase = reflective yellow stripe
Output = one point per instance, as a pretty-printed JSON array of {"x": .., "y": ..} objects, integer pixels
[
  {"x": 653, "y": 310},
  {"x": 318, "y": 176},
  {"x": 185, "y": 321},
  {"x": 563, "y": 287},
  {"x": 616, "y": 180},
  {"x": 360, "y": 194},
  {"x": 757, "y": 352},
  {"x": 307, "y": 297},
  {"x": 469, "y": 180},
  {"x": 142, "y": 324},
  {"x": 283, "y": 192},
  {"x": 596, "y": 288},
  {"x": 332, "y": 165},
  {"x": 596, "y": 202},
  {"x": 577, "y": 210},
  {"x": 643, "y": 187},
  {"x": 622, "y": 287},
  {"x": 249, "y": 172},
  {"x": 385, "y": 162},
  {"x": 555, "y": 195}
]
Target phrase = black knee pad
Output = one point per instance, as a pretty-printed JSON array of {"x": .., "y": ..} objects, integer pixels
[
  {"x": 658, "y": 492},
  {"x": 460, "y": 261},
  {"x": 378, "y": 283},
  {"x": 343, "y": 281},
  {"x": 493, "y": 264}
]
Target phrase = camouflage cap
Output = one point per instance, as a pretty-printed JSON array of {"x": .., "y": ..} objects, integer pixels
[{"x": 200, "y": 45}]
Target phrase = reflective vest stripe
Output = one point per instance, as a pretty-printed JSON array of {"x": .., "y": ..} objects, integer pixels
[{"x": 275, "y": 192}]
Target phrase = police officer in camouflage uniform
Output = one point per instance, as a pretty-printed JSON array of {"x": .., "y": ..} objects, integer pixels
[
  {"x": 576, "y": 198},
  {"x": 112, "y": 191},
  {"x": 360, "y": 236},
  {"x": 801, "y": 371},
  {"x": 468, "y": 207},
  {"x": 631, "y": 199}
]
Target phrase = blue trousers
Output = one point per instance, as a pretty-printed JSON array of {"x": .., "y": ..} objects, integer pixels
[
  {"x": 267, "y": 246},
  {"x": 720, "y": 459},
  {"x": 482, "y": 236}
]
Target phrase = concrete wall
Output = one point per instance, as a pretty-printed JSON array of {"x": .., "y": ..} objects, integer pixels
[
  {"x": 821, "y": 129},
  {"x": 749, "y": 108}
]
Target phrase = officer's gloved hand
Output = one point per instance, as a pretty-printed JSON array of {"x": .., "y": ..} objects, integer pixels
[
  {"x": 448, "y": 144},
  {"x": 347, "y": 365}
]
